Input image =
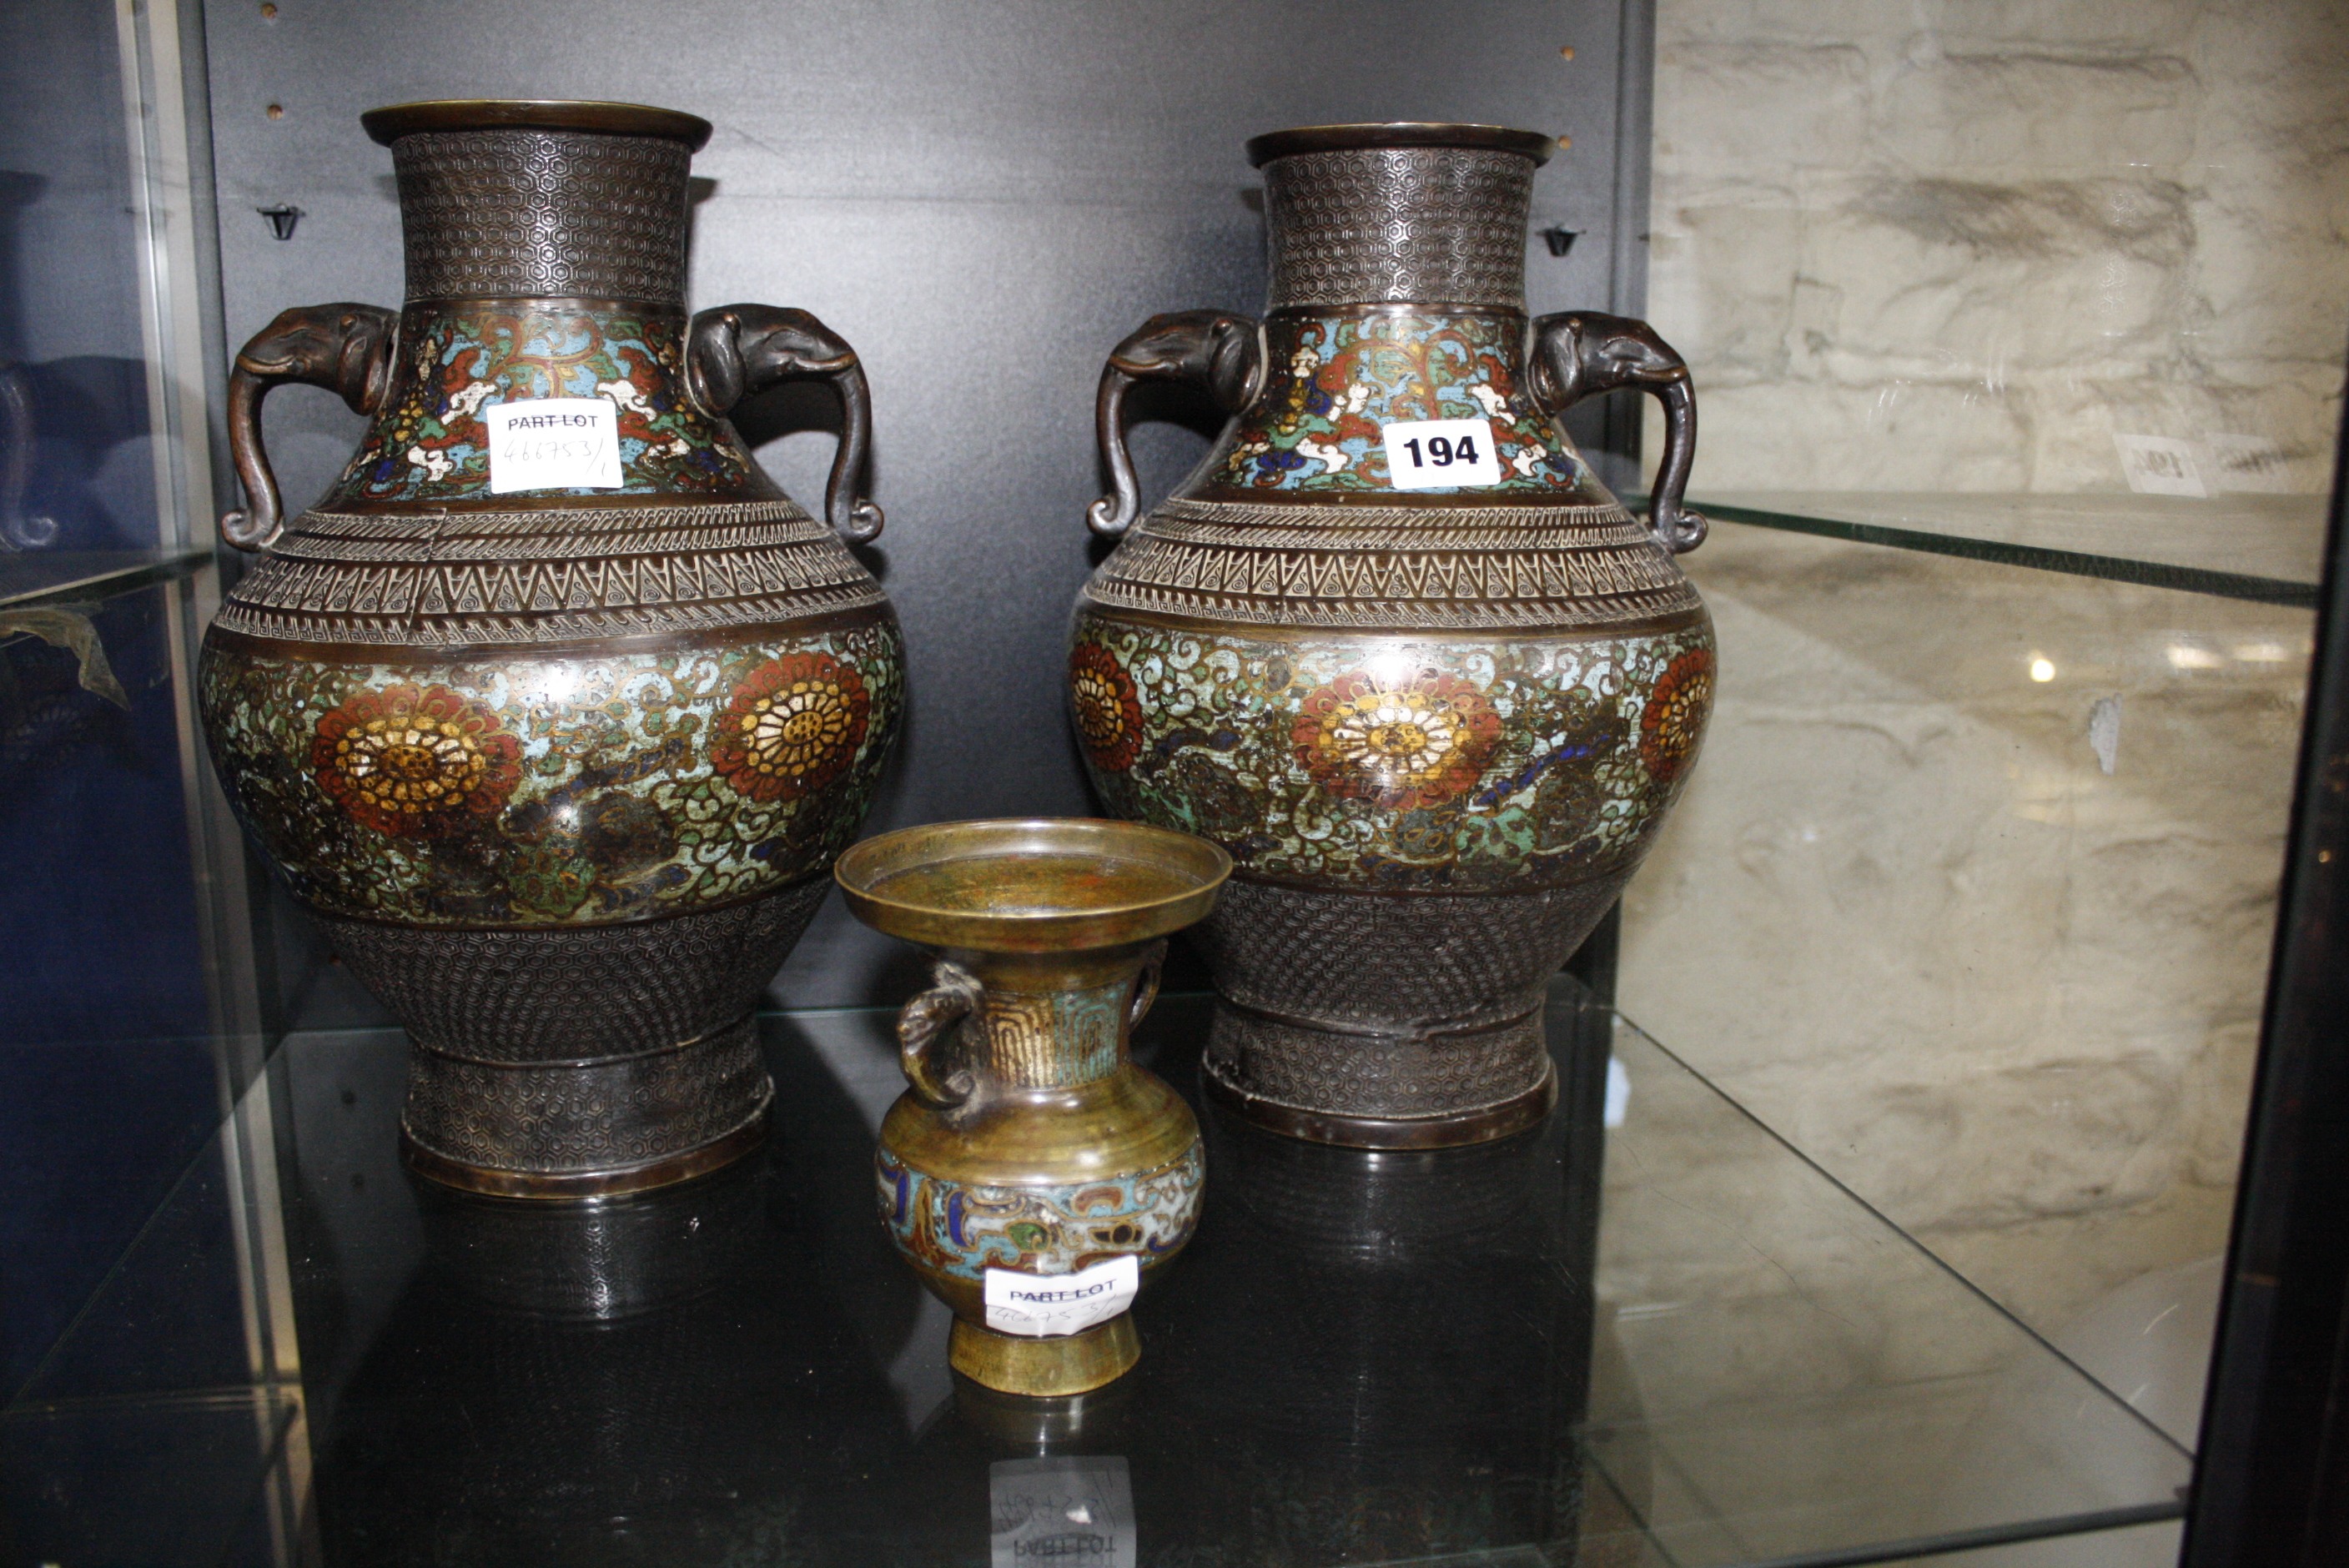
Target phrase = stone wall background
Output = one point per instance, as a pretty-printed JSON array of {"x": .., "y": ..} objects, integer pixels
[
  {"x": 1934, "y": 245},
  {"x": 1903, "y": 912}
]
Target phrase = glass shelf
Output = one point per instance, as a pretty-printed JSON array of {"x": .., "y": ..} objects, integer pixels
[
  {"x": 2265, "y": 548},
  {"x": 34, "y": 577},
  {"x": 1676, "y": 1343}
]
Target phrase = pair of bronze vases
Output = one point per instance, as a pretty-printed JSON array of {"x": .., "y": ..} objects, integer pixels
[{"x": 556, "y": 713}]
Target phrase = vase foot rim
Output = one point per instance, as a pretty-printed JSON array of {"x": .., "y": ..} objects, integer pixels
[
  {"x": 1045, "y": 1368},
  {"x": 666, "y": 1171},
  {"x": 1452, "y": 1130}
]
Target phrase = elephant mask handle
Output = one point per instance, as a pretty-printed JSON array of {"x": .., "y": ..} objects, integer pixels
[
  {"x": 347, "y": 348},
  {"x": 1579, "y": 353},
  {"x": 1210, "y": 349},
  {"x": 735, "y": 350},
  {"x": 927, "y": 1020}
]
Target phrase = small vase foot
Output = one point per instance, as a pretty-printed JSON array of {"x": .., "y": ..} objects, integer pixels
[{"x": 1061, "y": 1364}]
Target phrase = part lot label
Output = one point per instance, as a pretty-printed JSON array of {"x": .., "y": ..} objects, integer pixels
[
  {"x": 554, "y": 443},
  {"x": 1041, "y": 1305}
]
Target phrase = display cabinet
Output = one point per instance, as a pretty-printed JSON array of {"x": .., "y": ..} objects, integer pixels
[{"x": 1950, "y": 1087}]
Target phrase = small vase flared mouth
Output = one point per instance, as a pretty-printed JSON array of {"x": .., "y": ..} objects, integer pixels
[
  {"x": 389, "y": 124},
  {"x": 1534, "y": 144},
  {"x": 1032, "y": 884}
]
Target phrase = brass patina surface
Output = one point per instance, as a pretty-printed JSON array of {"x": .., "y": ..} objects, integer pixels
[{"x": 1024, "y": 1093}]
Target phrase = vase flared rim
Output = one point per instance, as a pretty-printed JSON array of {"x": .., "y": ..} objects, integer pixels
[
  {"x": 1534, "y": 144},
  {"x": 1194, "y": 871},
  {"x": 389, "y": 124}
]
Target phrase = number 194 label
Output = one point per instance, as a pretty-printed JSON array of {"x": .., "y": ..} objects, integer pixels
[{"x": 1441, "y": 454}]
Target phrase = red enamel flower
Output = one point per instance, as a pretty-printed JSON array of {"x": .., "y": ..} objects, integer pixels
[
  {"x": 1402, "y": 744},
  {"x": 791, "y": 727},
  {"x": 1108, "y": 711},
  {"x": 1672, "y": 722},
  {"x": 415, "y": 761}
]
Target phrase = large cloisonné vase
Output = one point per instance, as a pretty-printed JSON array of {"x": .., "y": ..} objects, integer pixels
[
  {"x": 1391, "y": 644},
  {"x": 559, "y": 768}
]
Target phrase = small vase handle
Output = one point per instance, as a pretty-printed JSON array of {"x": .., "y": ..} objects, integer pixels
[
  {"x": 1580, "y": 352},
  {"x": 347, "y": 348},
  {"x": 735, "y": 350},
  {"x": 1212, "y": 348},
  {"x": 929, "y": 1017},
  {"x": 1145, "y": 986}
]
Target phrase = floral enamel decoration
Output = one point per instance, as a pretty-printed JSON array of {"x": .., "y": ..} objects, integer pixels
[
  {"x": 553, "y": 711},
  {"x": 1672, "y": 722},
  {"x": 1394, "y": 647},
  {"x": 415, "y": 761},
  {"x": 791, "y": 727},
  {"x": 1404, "y": 744},
  {"x": 1108, "y": 712},
  {"x": 1344, "y": 379}
]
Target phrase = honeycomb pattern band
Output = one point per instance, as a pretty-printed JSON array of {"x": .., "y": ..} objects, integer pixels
[
  {"x": 503, "y": 214},
  {"x": 1381, "y": 224}
]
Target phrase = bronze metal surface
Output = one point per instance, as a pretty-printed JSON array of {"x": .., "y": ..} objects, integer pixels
[
  {"x": 735, "y": 351},
  {"x": 1386, "y": 995},
  {"x": 348, "y": 349},
  {"x": 1051, "y": 932},
  {"x": 1432, "y": 225},
  {"x": 389, "y": 124},
  {"x": 1031, "y": 885},
  {"x": 1504, "y": 1118},
  {"x": 610, "y": 1184},
  {"x": 1579, "y": 353},
  {"x": 552, "y": 1055},
  {"x": 494, "y": 212},
  {"x": 1534, "y": 144},
  {"x": 1045, "y": 1368}
]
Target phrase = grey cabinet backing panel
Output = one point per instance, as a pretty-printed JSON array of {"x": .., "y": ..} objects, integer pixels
[{"x": 983, "y": 198}]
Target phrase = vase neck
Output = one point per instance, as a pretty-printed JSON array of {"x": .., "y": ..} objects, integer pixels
[
  {"x": 1050, "y": 1038},
  {"x": 1379, "y": 225},
  {"x": 516, "y": 214}
]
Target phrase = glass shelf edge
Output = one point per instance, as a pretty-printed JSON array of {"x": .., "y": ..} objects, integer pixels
[
  {"x": 2073, "y": 563},
  {"x": 2021, "y": 1532},
  {"x": 1933, "y": 1258},
  {"x": 128, "y": 570}
]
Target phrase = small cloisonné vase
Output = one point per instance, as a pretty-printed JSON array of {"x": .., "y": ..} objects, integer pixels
[
  {"x": 1392, "y": 645},
  {"x": 1033, "y": 1175},
  {"x": 554, "y": 710}
]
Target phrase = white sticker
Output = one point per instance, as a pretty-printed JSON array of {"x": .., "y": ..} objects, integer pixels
[
  {"x": 1441, "y": 454},
  {"x": 1042, "y": 1304},
  {"x": 1061, "y": 1513},
  {"x": 554, "y": 443},
  {"x": 2159, "y": 465}
]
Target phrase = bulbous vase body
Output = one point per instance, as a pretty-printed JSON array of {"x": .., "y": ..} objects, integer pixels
[
  {"x": 554, "y": 710},
  {"x": 1392, "y": 645}
]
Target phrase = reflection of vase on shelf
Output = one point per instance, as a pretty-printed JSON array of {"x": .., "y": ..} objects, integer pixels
[
  {"x": 1392, "y": 645},
  {"x": 644, "y": 1379},
  {"x": 554, "y": 710},
  {"x": 1374, "y": 1355}
]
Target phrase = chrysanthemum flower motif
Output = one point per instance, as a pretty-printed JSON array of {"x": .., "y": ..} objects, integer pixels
[
  {"x": 792, "y": 726},
  {"x": 415, "y": 761},
  {"x": 1672, "y": 722},
  {"x": 1108, "y": 710},
  {"x": 1402, "y": 744}
]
